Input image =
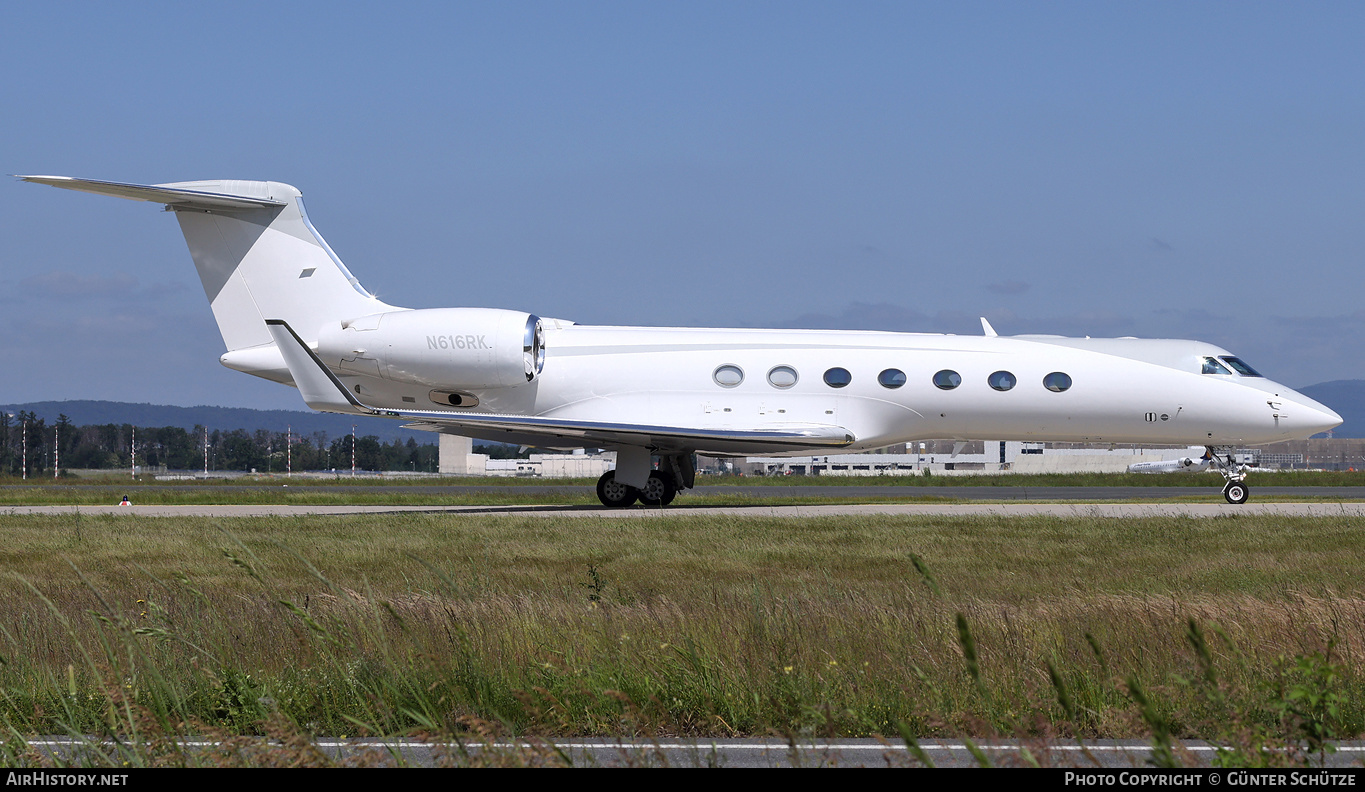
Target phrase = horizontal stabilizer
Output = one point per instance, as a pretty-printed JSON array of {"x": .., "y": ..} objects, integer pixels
[{"x": 171, "y": 194}]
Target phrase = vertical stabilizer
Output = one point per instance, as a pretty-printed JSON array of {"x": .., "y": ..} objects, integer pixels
[{"x": 257, "y": 254}]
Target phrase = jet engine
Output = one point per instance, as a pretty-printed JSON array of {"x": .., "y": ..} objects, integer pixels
[{"x": 446, "y": 349}]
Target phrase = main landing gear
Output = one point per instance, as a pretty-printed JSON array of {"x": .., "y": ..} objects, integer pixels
[
  {"x": 613, "y": 493},
  {"x": 659, "y": 490},
  {"x": 675, "y": 473},
  {"x": 1235, "y": 490}
]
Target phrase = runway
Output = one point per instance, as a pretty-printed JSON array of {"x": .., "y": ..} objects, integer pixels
[
  {"x": 1110, "y": 510},
  {"x": 231, "y": 492}
]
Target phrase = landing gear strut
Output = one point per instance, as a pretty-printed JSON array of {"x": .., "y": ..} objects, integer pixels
[{"x": 1236, "y": 490}]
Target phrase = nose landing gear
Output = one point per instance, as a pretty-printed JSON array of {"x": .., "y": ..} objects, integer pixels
[{"x": 1235, "y": 491}]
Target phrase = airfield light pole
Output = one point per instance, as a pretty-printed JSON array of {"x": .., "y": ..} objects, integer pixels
[
  {"x": 288, "y": 451},
  {"x": 352, "y": 450},
  {"x": 132, "y": 455},
  {"x": 25, "y": 449},
  {"x": 206, "y": 452},
  {"x": 7, "y": 441},
  {"x": 56, "y": 449}
]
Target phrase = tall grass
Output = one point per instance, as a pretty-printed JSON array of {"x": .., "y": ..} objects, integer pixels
[{"x": 1246, "y": 630}]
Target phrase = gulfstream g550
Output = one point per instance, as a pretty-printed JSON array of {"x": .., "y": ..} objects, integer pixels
[{"x": 291, "y": 312}]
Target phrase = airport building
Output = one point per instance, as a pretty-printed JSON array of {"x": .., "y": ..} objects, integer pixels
[
  {"x": 457, "y": 458},
  {"x": 932, "y": 456},
  {"x": 973, "y": 459}
]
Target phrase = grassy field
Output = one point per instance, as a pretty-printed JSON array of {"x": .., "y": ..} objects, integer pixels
[
  {"x": 1244, "y": 629},
  {"x": 711, "y": 491}
]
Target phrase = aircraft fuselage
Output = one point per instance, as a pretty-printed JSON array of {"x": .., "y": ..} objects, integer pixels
[{"x": 1117, "y": 390}]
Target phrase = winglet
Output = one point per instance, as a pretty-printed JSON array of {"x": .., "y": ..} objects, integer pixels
[
  {"x": 320, "y": 388},
  {"x": 987, "y": 329}
]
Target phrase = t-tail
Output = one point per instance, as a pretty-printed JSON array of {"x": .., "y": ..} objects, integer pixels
[{"x": 258, "y": 258}]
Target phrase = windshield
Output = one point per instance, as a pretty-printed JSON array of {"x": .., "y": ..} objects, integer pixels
[
  {"x": 1240, "y": 367},
  {"x": 1212, "y": 366}
]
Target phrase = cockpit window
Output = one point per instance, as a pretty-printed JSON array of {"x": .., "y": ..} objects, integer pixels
[
  {"x": 1212, "y": 366},
  {"x": 1239, "y": 367}
]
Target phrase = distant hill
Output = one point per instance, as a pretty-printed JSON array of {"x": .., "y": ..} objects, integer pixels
[
  {"x": 304, "y": 424},
  {"x": 1347, "y": 397}
]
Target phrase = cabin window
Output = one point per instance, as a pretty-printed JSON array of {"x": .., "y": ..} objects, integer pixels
[
  {"x": 1057, "y": 382},
  {"x": 782, "y": 377},
  {"x": 1001, "y": 380},
  {"x": 891, "y": 378},
  {"x": 728, "y": 376},
  {"x": 838, "y": 377},
  {"x": 1239, "y": 367},
  {"x": 947, "y": 379},
  {"x": 1212, "y": 366}
]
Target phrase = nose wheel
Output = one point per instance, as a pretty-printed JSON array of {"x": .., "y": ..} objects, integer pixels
[{"x": 1236, "y": 492}]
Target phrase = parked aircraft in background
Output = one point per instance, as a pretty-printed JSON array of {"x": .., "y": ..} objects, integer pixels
[
  {"x": 1189, "y": 464},
  {"x": 291, "y": 312}
]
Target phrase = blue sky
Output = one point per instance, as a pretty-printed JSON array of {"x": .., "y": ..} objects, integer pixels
[{"x": 1189, "y": 170}]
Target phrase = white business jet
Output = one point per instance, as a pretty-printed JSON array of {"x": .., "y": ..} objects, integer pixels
[{"x": 291, "y": 312}]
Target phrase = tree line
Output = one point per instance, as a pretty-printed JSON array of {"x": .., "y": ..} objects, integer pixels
[{"x": 62, "y": 446}]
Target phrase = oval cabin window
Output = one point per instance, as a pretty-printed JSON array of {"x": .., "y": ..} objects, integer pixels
[
  {"x": 782, "y": 377},
  {"x": 728, "y": 376},
  {"x": 1001, "y": 380},
  {"x": 891, "y": 378},
  {"x": 947, "y": 379},
  {"x": 1057, "y": 382}
]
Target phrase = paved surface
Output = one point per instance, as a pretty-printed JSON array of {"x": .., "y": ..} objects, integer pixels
[
  {"x": 812, "y": 510},
  {"x": 1211, "y": 489},
  {"x": 730, "y": 752}
]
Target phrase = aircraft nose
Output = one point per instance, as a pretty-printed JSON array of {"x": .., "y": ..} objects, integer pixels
[
  {"x": 1329, "y": 418},
  {"x": 1310, "y": 417}
]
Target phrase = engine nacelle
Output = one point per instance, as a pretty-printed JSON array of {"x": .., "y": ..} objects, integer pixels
[{"x": 448, "y": 349}]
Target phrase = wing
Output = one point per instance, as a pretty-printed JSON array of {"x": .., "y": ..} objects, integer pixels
[{"x": 321, "y": 390}]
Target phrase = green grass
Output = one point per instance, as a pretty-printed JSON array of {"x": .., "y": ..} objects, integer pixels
[
  {"x": 467, "y": 625},
  {"x": 710, "y": 491}
]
